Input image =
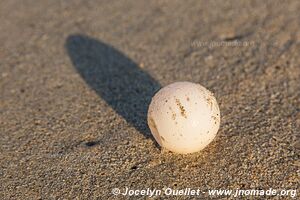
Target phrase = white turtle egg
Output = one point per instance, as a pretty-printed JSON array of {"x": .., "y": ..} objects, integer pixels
[{"x": 184, "y": 117}]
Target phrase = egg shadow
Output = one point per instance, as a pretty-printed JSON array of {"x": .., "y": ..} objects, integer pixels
[{"x": 115, "y": 78}]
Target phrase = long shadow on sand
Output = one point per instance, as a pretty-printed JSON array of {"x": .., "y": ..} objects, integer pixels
[{"x": 115, "y": 78}]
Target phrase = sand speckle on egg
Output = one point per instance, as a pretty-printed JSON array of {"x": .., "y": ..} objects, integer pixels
[
  {"x": 173, "y": 116},
  {"x": 182, "y": 110},
  {"x": 209, "y": 102},
  {"x": 153, "y": 129}
]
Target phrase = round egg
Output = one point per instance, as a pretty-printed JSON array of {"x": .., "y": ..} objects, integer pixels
[{"x": 184, "y": 117}]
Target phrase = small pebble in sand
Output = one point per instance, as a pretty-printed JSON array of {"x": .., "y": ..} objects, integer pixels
[{"x": 184, "y": 117}]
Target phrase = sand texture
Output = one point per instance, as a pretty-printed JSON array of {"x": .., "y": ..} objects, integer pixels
[{"x": 76, "y": 78}]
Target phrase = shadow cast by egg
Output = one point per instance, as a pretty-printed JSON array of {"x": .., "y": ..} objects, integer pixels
[{"x": 114, "y": 77}]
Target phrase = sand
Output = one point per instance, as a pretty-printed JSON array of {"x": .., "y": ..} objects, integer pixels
[{"x": 76, "y": 79}]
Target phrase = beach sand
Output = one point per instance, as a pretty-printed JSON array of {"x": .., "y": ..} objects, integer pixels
[{"x": 76, "y": 80}]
